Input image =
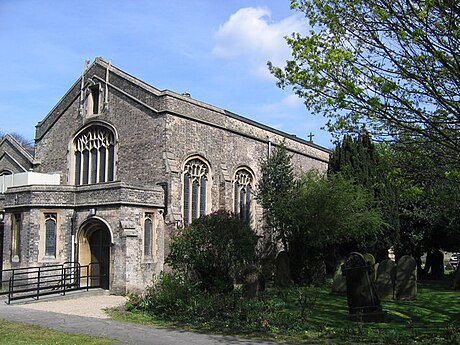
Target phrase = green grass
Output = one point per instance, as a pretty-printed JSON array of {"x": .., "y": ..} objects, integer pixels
[
  {"x": 433, "y": 318},
  {"x": 20, "y": 333}
]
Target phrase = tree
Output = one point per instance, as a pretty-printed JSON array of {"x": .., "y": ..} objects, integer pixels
[
  {"x": 213, "y": 250},
  {"x": 360, "y": 160},
  {"x": 311, "y": 213},
  {"x": 328, "y": 211},
  {"x": 428, "y": 194},
  {"x": 393, "y": 65},
  {"x": 274, "y": 190}
]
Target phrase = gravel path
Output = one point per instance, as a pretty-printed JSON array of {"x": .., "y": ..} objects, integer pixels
[{"x": 90, "y": 304}]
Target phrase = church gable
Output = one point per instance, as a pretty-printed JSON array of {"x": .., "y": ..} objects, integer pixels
[{"x": 13, "y": 157}]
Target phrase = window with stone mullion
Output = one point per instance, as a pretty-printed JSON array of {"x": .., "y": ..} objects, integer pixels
[
  {"x": 194, "y": 190},
  {"x": 102, "y": 164},
  {"x": 195, "y": 199},
  {"x": 78, "y": 167},
  {"x": 242, "y": 194},
  {"x": 85, "y": 170},
  {"x": 93, "y": 165},
  {"x": 186, "y": 199},
  {"x": 203, "y": 196},
  {"x": 94, "y": 156}
]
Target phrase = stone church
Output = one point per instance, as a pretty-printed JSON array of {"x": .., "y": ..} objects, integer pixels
[{"x": 119, "y": 166}]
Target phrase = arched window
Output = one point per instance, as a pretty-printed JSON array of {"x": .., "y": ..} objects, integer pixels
[
  {"x": 195, "y": 182},
  {"x": 148, "y": 235},
  {"x": 94, "y": 155},
  {"x": 50, "y": 234},
  {"x": 242, "y": 193},
  {"x": 5, "y": 172}
]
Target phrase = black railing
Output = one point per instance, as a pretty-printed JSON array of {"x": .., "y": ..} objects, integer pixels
[{"x": 33, "y": 282}]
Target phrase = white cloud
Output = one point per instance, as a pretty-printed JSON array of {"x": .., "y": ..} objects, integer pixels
[
  {"x": 251, "y": 33},
  {"x": 286, "y": 105},
  {"x": 292, "y": 101}
]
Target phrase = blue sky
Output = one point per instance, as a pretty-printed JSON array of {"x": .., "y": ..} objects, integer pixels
[{"x": 216, "y": 50}]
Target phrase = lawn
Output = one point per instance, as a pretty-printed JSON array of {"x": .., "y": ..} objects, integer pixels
[
  {"x": 20, "y": 333},
  {"x": 315, "y": 316}
]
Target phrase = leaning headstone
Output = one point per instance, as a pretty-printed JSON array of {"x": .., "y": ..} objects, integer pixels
[
  {"x": 406, "y": 278},
  {"x": 370, "y": 260},
  {"x": 363, "y": 302},
  {"x": 283, "y": 270},
  {"x": 339, "y": 283},
  {"x": 385, "y": 281},
  {"x": 317, "y": 273},
  {"x": 253, "y": 282}
]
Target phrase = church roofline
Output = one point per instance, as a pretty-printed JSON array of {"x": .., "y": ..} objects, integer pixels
[
  {"x": 225, "y": 112},
  {"x": 161, "y": 93}
]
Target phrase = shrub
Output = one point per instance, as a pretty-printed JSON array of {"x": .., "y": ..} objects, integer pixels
[
  {"x": 169, "y": 295},
  {"x": 213, "y": 250}
]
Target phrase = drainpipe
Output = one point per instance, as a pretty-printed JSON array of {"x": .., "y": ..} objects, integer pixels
[
  {"x": 269, "y": 147},
  {"x": 72, "y": 247}
]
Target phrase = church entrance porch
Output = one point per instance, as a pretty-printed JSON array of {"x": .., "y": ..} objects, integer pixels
[{"x": 94, "y": 247}]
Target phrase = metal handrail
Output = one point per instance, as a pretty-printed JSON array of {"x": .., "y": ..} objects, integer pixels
[{"x": 36, "y": 281}]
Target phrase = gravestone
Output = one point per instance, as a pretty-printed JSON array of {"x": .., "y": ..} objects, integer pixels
[
  {"x": 370, "y": 260},
  {"x": 456, "y": 280},
  {"x": 385, "y": 280},
  {"x": 253, "y": 282},
  {"x": 406, "y": 278},
  {"x": 339, "y": 283},
  {"x": 437, "y": 264},
  {"x": 283, "y": 270},
  {"x": 363, "y": 302}
]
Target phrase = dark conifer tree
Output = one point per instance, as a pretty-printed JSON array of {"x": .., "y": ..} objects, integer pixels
[{"x": 358, "y": 159}]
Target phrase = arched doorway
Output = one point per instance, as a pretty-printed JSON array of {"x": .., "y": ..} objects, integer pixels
[{"x": 94, "y": 241}]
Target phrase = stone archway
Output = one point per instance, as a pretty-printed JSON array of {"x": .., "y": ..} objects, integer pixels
[{"x": 94, "y": 243}]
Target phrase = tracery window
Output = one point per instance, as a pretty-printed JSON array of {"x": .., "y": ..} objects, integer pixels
[
  {"x": 242, "y": 197},
  {"x": 148, "y": 234},
  {"x": 195, "y": 181},
  {"x": 94, "y": 155},
  {"x": 50, "y": 234}
]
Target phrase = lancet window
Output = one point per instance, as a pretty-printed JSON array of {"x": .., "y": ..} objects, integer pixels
[
  {"x": 242, "y": 193},
  {"x": 50, "y": 234},
  {"x": 148, "y": 235},
  {"x": 94, "y": 155},
  {"x": 195, "y": 182}
]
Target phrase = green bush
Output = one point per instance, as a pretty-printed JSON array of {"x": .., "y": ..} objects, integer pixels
[
  {"x": 213, "y": 250},
  {"x": 169, "y": 295}
]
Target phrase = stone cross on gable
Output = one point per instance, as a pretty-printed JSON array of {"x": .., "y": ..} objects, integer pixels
[{"x": 310, "y": 137}]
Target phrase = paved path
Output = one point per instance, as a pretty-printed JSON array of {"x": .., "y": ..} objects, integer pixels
[{"x": 81, "y": 313}]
